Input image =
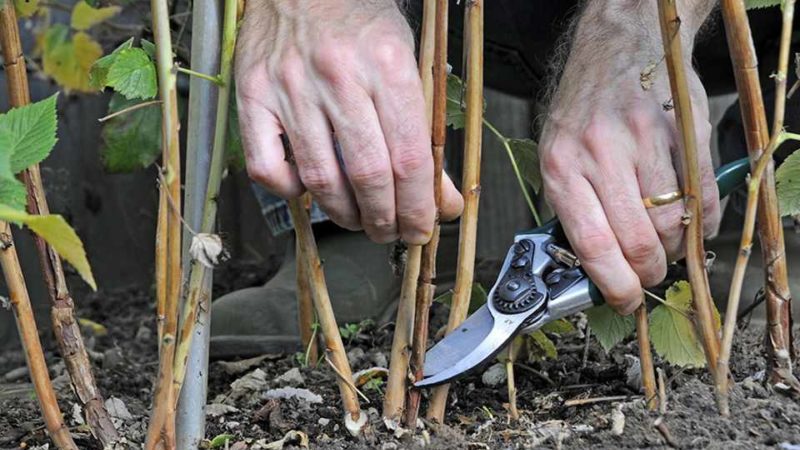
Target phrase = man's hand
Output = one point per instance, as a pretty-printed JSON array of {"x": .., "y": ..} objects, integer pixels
[
  {"x": 608, "y": 143},
  {"x": 313, "y": 69}
]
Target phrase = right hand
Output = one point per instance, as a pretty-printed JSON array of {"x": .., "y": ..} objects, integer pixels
[{"x": 314, "y": 67}]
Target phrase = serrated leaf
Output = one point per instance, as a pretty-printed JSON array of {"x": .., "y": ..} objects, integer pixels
[
  {"x": 99, "y": 70},
  {"x": 26, "y": 8},
  {"x": 29, "y": 133},
  {"x": 560, "y": 326},
  {"x": 133, "y": 74},
  {"x": 150, "y": 49},
  {"x": 57, "y": 232},
  {"x": 477, "y": 297},
  {"x": 526, "y": 155},
  {"x": 85, "y": 16},
  {"x": 609, "y": 327},
  {"x": 753, "y": 4},
  {"x": 456, "y": 103},
  {"x": 672, "y": 330},
  {"x": 133, "y": 139},
  {"x": 68, "y": 59},
  {"x": 787, "y": 179},
  {"x": 12, "y": 191},
  {"x": 543, "y": 347}
]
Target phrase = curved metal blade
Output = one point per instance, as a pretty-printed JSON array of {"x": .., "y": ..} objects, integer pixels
[{"x": 471, "y": 346}]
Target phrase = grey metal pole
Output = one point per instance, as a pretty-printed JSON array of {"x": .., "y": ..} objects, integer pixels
[{"x": 206, "y": 31}]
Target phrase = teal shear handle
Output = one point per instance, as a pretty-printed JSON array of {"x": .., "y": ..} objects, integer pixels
[{"x": 729, "y": 178}]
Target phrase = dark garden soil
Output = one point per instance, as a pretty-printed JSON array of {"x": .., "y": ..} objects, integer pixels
[{"x": 245, "y": 403}]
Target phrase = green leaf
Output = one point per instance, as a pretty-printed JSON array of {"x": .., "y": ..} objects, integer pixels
[
  {"x": 68, "y": 59},
  {"x": 672, "y": 329},
  {"x": 560, "y": 326},
  {"x": 133, "y": 74},
  {"x": 220, "y": 440},
  {"x": 85, "y": 16},
  {"x": 57, "y": 232},
  {"x": 456, "y": 103},
  {"x": 132, "y": 140},
  {"x": 787, "y": 179},
  {"x": 526, "y": 155},
  {"x": 609, "y": 327},
  {"x": 99, "y": 70},
  {"x": 477, "y": 297},
  {"x": 12, "y": 191},
  {"x": 542, "y": 347},
  {"x": 752, "y": 4},
  {"x": 26, "y": 8},
  {"x": 150, "y": 48},
  {"x": 29, "y": 133},
  {"x": 234, "y": 151}
]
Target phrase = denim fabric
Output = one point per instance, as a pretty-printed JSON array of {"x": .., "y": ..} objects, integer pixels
[{"x": 276, "y": 211}]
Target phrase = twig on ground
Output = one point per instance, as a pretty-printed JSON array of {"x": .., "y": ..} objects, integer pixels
[
  {"x": 593, "y": 400},
  {"x": 662, "y": 392},
  {"x": 470, "y": 185},
  {"x": 511, "y": 356},
  {"x": 65, "y": 327},
  {"x": 661, "y": 426}
]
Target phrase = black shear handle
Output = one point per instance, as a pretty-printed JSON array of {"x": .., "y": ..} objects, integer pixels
[{"x": 729, "y": 178}]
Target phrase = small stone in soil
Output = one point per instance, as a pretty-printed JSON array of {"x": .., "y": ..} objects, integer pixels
[
  {"x": 355, "y": 356},
  {"x": 112, "y": 358},
  {"x": 16, "y": 374},
  {"x": 494, "y": 375},
  {"x": 323, "y": 421},
  {"x": 144, "y": 334}
]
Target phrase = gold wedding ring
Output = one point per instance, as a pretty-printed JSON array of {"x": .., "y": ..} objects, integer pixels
[{"x": 663, "y": 199}]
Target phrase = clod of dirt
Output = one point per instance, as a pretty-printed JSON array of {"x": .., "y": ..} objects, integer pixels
[
  {"x": 633, "y": 374},
  {"x": 356, "y": 356},
  {"x": 245, "y": 387},
  {"x": 617, "y": 420},
  {"x": 237, "y": 367},
  {"x": 219, "y": 409},
  {"x": 292, "y": 377},
  {"x": 16, "y": 374},
  {"x": 494, "y": 375}
]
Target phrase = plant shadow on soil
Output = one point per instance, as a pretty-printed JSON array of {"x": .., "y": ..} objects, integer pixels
[{"x": 125, "y": 361}]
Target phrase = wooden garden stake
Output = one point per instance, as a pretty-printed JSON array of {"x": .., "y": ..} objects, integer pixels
[
  {"x": 162, "y": 420},
  {"x": 470, "y": 184},
  {"x": 29, "y": 336},
  {"x": 354, "y": 419},
  {"x": 646, "y": 357},
  {"x": 407, "y": 327},
  {"x": 305, "y": 304},
  {"x": 427, "y": 275},
  {"x": 66, "y": 329},
  {"x": 761, "y": 198},
  {"x": 693, "y": 192}
]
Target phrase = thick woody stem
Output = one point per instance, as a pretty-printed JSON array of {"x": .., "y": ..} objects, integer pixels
[
  {"x": 161, "y": 429},
  {"x": 410, "y": 320},
  {"x": 21, "y": 305},
  {"x": 305, "y": 304},
  {"x": 427, "y": 276},
  {"x": 762, "y": 199},
  {"x": 470, "y": 185},
  {"x": 693, "y": 193},
  {"x": 334, "y": 347},
  {"x": 646, "y": 357},
  {"x": 66, "y": 329}
]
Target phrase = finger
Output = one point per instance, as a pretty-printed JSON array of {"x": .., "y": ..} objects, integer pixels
[
  {"x": 612, "y": 174},
  {"x": 594, "y": 242},
  {"x": 367, "y": 164},
  {"x": 265, "y": 156},
  {"x": 452, "y": 202},
  {"x": 314, "y": 155},
  {"x": 401, "y": 112},
  {"x": 657, "y": 175}
]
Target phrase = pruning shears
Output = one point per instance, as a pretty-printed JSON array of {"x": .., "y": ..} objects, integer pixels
[{"x": 541, "y": 280}]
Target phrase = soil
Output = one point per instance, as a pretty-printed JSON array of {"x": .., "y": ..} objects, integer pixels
[{"x": 126, "y": 361}]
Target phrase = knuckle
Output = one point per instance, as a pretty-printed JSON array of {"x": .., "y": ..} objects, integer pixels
[
  {"x": 388, "y": 52},
  {"x": 555, "y": 166},
  {"x": 289, "y": 70},
  {"x": 317, "y": 180},
  {"x": 417, "y": 220},
  {"x": 641, "y": 249},
  {"x": 642, "y": 119},
  {"x": 408, "y": 164},
  {"x": 596, "y": 246},
  {"x": 370, "y": 176},
  {"x": 332, "y": 60},
  {"x": 598, "y": 136}
]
